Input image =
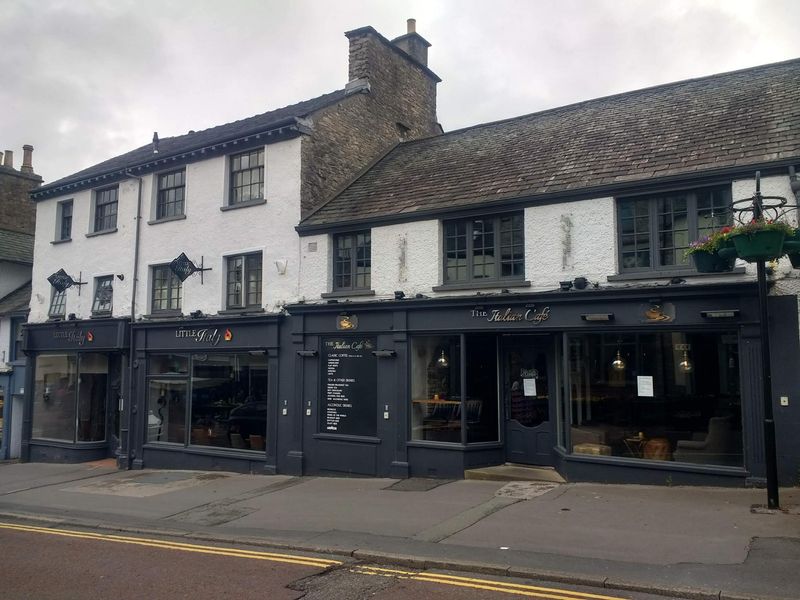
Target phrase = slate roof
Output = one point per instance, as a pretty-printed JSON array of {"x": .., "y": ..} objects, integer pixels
[
  {"x": 17, "y": 300},
  {"x": 747, "y": 117},
  {"x": 16, "y": 247},
  {"x": 170, "y": 146}
]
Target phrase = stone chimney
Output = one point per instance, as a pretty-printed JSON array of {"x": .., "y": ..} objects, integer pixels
[
  {"x": 8, "y": 159},
  {"x": 27, "y": 159},
  {"x": 413, "y": 43}
]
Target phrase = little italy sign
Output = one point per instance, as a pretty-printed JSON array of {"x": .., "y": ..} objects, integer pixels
[
  {"x": 204, "y": 336},
  {"x": 509, "y": 315}
]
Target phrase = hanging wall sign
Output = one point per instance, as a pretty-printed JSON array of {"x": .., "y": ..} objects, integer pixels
[
  {"x": 348, "y": 403},
  {"x": 531, "y": 314}
]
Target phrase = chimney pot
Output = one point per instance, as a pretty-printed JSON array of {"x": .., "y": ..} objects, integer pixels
[
  {"x": 27, "y": 159},
  {"x": 8, "y": 159},
  {"x": 412, "y": 25}
]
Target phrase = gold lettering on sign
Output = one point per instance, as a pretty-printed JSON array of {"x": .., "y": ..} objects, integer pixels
[{"x": 509, "y": 315}]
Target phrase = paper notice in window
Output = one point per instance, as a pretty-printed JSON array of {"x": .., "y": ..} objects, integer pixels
[
  {"x": 529, "y": 387},
  {"x": 645, "y": 384}
]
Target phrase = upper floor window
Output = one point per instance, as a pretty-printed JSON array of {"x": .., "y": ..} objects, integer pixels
[
  {"x": 655, "y": 231},
  {"x": 484, "y": 249},
  {"x": 105, "y": 209},
  {"x": 171, "y": 194},
  {"x": 247, "y": 176},
  {"x": 58, "y": 304},
  {"x": 166, "y": 290},
  {"x": 64, "y": 220},
  {"x": 244, "y": 281},
  {"x": 352, "y": 261},
  {"x": 103, "y": 295}
]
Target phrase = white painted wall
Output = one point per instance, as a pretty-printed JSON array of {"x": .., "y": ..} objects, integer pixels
[{"x": 206, "y": 232}]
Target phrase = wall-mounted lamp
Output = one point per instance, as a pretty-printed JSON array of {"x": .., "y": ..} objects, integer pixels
[
  {"x": 598, "y": 317},
  {"x": 121, "y": 277},
  {"x": 384, "y": 353},
  {"x": 565, "y": 286},
  {"x": 196, "y": 314},
  {"x": 720, "y": 314},
  {"x": 399, "y": 294},
  {"x": 306, "y": 353},
  {"x": 442, "y": 360},
  {"x": 580, "y": 283}
]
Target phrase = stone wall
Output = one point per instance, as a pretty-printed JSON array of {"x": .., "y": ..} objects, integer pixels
[
  {"x": 17, "y": 210},
  {"x": 394, "y": 99}
]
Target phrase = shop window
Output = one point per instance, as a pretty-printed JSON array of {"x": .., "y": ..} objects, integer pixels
[
  {"x": 223, "y": 397},
  {"x": 655, "y": 231},
  {"x": 70, "y": 389},
  {"x": 352, "y": 261},
  {"x": 246, "y": 177},
  {"x": 167, "y": 290},
  {"x": 171, "y": 194},
  {"x": 105, "y": 209},
  {"x": 484, "y": 249},
  {"x": 244, "y": 281},
  {"x": 58, "y": 304},
  {"x": 670, "y": 396},
  {"x": 440, "y": 412},
  {"x": 103, "y": 295}
]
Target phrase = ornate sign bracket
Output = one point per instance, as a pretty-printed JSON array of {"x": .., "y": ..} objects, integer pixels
[
  {"x": 183, "y": 267},
  {"x": 61, "y": 281}
]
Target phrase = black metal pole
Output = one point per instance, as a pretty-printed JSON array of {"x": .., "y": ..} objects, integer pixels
[{"x": 770, "y": 452}]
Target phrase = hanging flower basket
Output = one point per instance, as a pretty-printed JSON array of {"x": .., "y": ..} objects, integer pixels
[
  {"x": 709, "y": 254},
  {"x": 712, "y": 262},
  {"x": 760, "y": 240}
]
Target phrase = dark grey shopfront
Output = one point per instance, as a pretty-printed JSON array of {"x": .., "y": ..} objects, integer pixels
[
  {"x": 629, "y": 385},
  {"x": 75, "y": 385},
  {"x": 206, "y": 394}
]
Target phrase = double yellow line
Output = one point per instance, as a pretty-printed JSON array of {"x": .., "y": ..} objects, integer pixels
[
  {"x": 516, "y": 589},
  {"x": 166, "y": 545}
]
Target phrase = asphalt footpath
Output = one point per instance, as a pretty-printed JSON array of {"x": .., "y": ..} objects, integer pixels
[{"x": 687, "y": 542}]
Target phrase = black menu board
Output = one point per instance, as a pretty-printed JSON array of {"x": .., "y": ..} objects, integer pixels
[{"x": 349, "y": 387}]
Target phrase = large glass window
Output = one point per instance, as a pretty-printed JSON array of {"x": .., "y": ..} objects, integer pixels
[
  {"x": 655, "y": 231},
  {"x": 247, "y": 176},
  {"x": 70, "y": 390},
  {"x": 484, "y": 249},
  {"x": 227, "y": 400},
  {"x": 352, "y": 261},
  {"x": 105, "y": 209},
  {"x": 171, "y": 194},
  {"x": 671, "y": 396},
  {"x": 244, "y": 281},
  {"x": 440, "y": 412}
]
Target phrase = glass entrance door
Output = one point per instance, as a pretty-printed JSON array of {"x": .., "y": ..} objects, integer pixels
[{"x": 527, "y": 399}]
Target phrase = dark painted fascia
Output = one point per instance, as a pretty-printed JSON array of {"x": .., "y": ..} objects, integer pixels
[{"x": 672, "y": 292}]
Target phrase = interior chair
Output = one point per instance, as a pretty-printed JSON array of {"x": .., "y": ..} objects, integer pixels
[{"x": 715, "y": 447}]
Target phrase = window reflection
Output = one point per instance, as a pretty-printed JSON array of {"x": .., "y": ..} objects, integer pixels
[
  {"x": 436, "y": 388},
  {"x": 665, "y": 396},
  {"x": 225, "y": 396}
]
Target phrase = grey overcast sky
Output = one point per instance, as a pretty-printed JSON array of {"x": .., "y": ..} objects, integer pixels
[{"x": 85, "y": 80}]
